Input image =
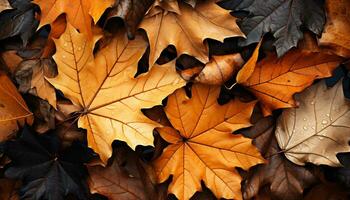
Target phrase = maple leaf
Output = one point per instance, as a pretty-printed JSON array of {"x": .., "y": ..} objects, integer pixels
[
  {"x": 30, "y": 74},
  {"x": 118, "y": 180},
  {"x": 81, "y": 14},
  {"x": 321, "y": 120},
  {"x": 283, "y": 18},
  {"x": 275, "y": 81},
  {"x": 285, "y": 179},
  {"x": 19, "y": 21},
  {"x": 336, "y": 31},
  {"x": 4, "y": 5},
  {"x": 13, "y": 109},
  {"x": 203, "y": 148},
  {"x": 178, "y": 24},
  {"x": 46, "y": 172},
  {"x": 105, "y": 88}
]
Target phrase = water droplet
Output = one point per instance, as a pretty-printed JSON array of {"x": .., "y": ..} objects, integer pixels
[
  {"x": 293, "y": 131},
  {"x": 324, "y": 122},
  {"x": 312, "y": 103},
  {"x": 64, "y": 56},
  {"x": 79, "y": 48},
  {"x": 327, "y": 114},
  {"x": 65, "y": 44},
  {"x": 331, "y": 119},
  {"x": 304, "y": 119},
  {"x": 305, "y": 128},
  {"x": 131, "y": 176},
  {"x": 313, "y": 128}
]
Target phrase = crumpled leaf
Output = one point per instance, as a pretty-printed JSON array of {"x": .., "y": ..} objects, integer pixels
[
  {"x": 178, "y": 24},
  {"x": 336, "y": 32},
  {"x": 202, "y": 146},
  {"x": 30, "y": 75},
  {"x": 285, "y": 180},
  {"x": 19, "y": 21},
  {"x": 275, "y": 81},
  {"x": 104, "y": 87},
  {"x": 4, "y": 5},
  {"x": 46, "y": 172},
  {"x": 131, "y": 11},
  {"x": 80, "y": 14},
  {"x": 13, "y": 109},
  {"x": 283, "y": 18},
  {"x": 219, "y": 69},
  {"x": 318, "y": 129},
  {"x": 118, "y": 181}
]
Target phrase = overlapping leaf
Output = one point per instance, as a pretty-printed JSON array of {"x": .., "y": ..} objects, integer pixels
[
  {"x": 178, "y": 24},
  {"x": 106, "y": 90},
  {"x": 202, "y": 146},
  {"x": 318, "y": 129}
]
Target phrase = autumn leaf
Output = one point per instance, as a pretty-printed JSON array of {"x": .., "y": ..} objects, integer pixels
[
  {"x": 336, "y": 32},
  {"x": 48, "y": 173},
  {"x": 4, "y": 5},
  {"x": 202, "y": 146},
  {"x": 318, "y": 129},
  {"x": 178, "y": 24},
  {"x": 328, "y": 191},
  {"x": 30, "y": 75},
  {"x": 117, "y": 181},
  {"x": 104, "y": 87},
  {"x": 80, "y": 14},
  {"x": 275, "y": 81},
  {"x": 8, "y": 189},
  {"x": 131, "y": 11},
  {"x": 219, "y": 69},
  {"x": 282, "y": 18},
  {"x": 284, "y": 179},
  {"x": 13, "y": 110}
]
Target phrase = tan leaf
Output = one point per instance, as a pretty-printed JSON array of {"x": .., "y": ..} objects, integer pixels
[
  {"x": 203, "y": 148},
  {"x": 336, "y": 32},
  {"x": 4, "y": 5},
  {"x": 219, "y": 69},
  {"x": 13, "y": 110},
  {"x": 187, "y": 28},
  {"x": 104, "y": 87},
  {"x": 318, "y": 129},
  {"x": 248, "y": 68},
  {"x": 275, "y": 81},
  {"x": 79, "y": 13}
]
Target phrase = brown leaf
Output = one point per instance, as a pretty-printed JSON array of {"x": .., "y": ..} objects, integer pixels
[
  {"x": 13, "y": 110},
  {"x": 11, "y": 60},
  {"x": 336, "y": 32},
  {"x": 30, "y": 75},
  {"x": 219, "y": 69},
  {"x": 4, "y": 5},
  {"x": 9, "y": 189},
  {"x": 123, "y": 179},
  {"x": 327, "y": 191},
  {"x": 131, "y": 11},
  {"x": 202, "y": 146},
  {"x": 285, "y": 180},
  {"x": 248, "y": 68},
  {"x": 178, "y": 24},
  {"x": 318, "y": 129},
  {"x": 275, "y": 81},
  {"x": 104, "y": 87}
]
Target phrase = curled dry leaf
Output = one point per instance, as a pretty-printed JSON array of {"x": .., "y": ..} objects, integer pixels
[
  {"x": 219, "y": 69},
  {"x": 81, "y": 14},
  {"x": 13, "y": 110},
  {"x": 105, "y": 89},
  {"x": 186, "y": 28},
  {"x": 318, "y": 129},
  {"x": 204, "y": 148},
  {"x": 131, "y": 11},
  {"x": 285, "y": 179},
  {"x": 336, "y": 32},
  {"x": 275, "y": 81}
]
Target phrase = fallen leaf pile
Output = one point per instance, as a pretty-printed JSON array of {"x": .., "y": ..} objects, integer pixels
[{"x": 174, "y": 99}]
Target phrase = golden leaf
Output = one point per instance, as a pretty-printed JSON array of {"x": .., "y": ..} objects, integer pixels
[
  {"x": 317, "y": 130},
  {"x": 186, "y": 28},
  {"x": 106, "y": 90},
  {"x": 13, "y": 110},
  {"x": 204, "y": 148}
]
